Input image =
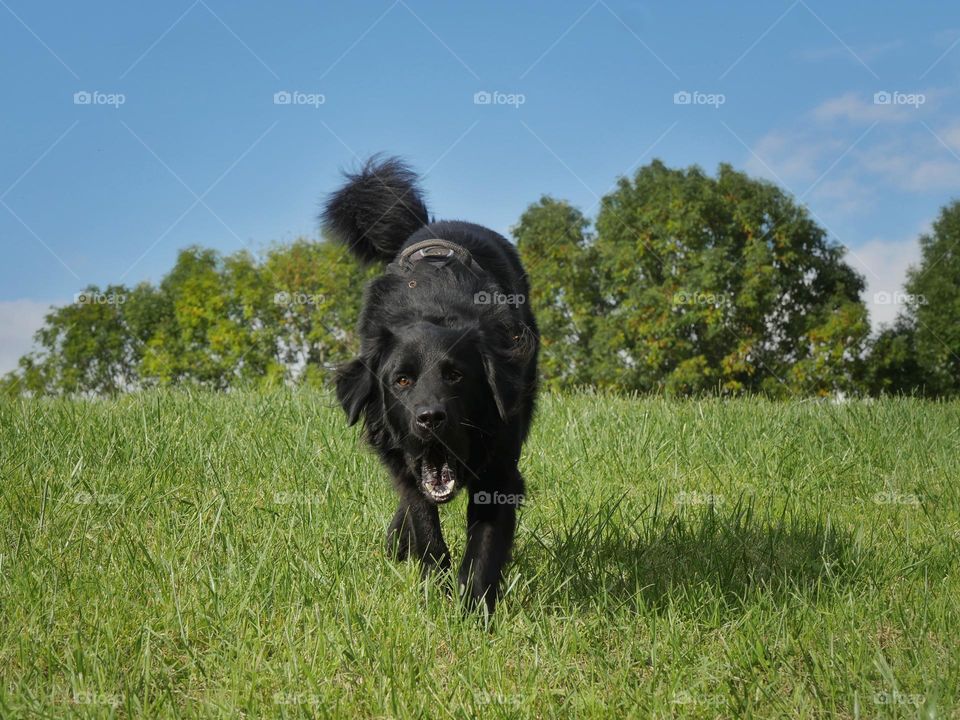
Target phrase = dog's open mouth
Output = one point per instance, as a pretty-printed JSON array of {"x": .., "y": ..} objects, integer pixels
[{"x": 438, "y": 477}]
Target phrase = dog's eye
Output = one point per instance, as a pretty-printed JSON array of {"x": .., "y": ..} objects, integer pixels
[
  {"x": 453, "y": 376},
  {"x": 404, "y": 381}
]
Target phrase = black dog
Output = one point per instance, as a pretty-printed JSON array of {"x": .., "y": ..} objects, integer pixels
[{"x": 447, "y": 372}]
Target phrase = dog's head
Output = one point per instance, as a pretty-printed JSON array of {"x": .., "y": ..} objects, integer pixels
[{"x": 434, "y": 393}]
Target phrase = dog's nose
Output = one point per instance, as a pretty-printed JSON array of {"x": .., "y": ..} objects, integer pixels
[{"x": 430, "y": 417}]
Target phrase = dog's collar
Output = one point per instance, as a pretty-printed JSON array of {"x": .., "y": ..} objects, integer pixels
[{"x": 437, "y": 252}]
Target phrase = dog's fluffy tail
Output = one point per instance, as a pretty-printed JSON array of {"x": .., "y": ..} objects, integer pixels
[{"x": 377, "y": 209}]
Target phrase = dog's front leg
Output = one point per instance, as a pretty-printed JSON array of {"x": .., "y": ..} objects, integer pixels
[
  {"x": 491, "y": 525},
  {"x": 415, "y": 532}
]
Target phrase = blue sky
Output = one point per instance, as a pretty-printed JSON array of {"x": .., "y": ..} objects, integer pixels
[{"x": 182, "y": 141}]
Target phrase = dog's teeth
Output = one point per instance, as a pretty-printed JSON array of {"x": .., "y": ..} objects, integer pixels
[
  {"x": 446, "y": 474},
  {"x": 429, "y": 474}
]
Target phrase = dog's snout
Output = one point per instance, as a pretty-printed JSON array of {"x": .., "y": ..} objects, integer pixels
[{"x": 430, "y": 417}]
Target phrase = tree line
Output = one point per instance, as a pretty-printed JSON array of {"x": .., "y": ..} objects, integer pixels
[{"x": 683, "y": 284}]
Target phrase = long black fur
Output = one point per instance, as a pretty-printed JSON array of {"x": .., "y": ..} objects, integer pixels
[
  {"x": 376, "y": 210},
  {"x": 470, "y": 369}
]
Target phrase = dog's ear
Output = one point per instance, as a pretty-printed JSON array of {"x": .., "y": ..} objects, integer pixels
[
  {"x": 504, "y": 381},
  {"x": 505, "y": 353},
  {"x": 355, "y": 388},
  {"x": 493, "y": 380},
  {"x": 356, "y": 381}
]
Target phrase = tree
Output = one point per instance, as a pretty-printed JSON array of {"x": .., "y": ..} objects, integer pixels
[
  {"x": 317, "y": 299},
  {"x": 687, "y": 284},
  {"x": 559, "y": 257},
  {"x": 721, "y": 284},
  {"x": 892, "y": 367},
  {"x": 216, "y": 331},
  {"x": 214, "y": 321},
  {"x": 85, "y": 346},
  {"x": 933, "y": 313}
]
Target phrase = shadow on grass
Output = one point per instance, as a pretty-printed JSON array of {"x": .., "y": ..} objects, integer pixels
[{"x": 610, "y": 558}]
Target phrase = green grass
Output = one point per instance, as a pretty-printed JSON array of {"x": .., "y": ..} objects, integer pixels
[{"x": 198, "y": 555}]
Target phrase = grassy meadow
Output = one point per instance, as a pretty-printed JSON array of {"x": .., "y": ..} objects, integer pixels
[{"x": 176, "y": 554}]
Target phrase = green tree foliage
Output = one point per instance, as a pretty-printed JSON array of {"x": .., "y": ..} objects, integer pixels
[
  {"x": 317, "y": 303},
  {"x": 920, "y": 354},
  {"x": 892, "y": 367},
  {"x": 696, "y": 284},
  {"x": 88, "y": 346},
  {"x": 213, "y": 321},
  {"x": 218, "y": 327},
  {"x": 935, "y": 285},
  {"x": 686, "y": 284},
  {"x": 560, "y": 259}
]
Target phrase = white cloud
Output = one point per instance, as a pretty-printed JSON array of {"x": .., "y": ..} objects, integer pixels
[
  {"x": 946, "y": 37},
  {"x": 860, "y": 108},
  {"x": 951, "y": 136},
  {"x": 931, "y": 175},
  {"x": 853, "y": 168},
  {"x": 917, "y": 162},
  {"x": 867, "y": 53},
  {"x": 792, "y": 159},
  {"x": 884, "y": 264},
  {"x": 19, "y": 320},
  {"x": 893, "y": 159},
  {"x": 844, "y": 194}
]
